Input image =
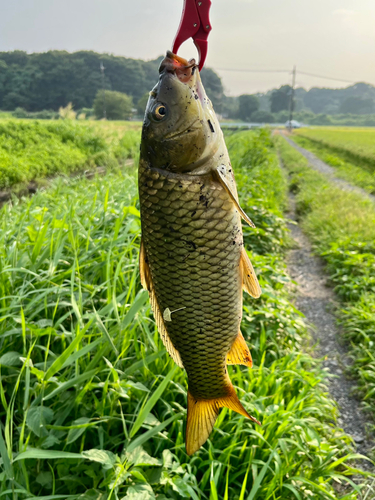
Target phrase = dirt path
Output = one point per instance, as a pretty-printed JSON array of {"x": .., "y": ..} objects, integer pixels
[
  {"x": 317, "y": 303},
  {"x": 323, "y": 168}
]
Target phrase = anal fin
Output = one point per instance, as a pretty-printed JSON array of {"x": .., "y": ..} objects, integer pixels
[
  {"x": 249, "y": 279},
  {"x": 202, "y": 415},
  {"x": 239, "y": 353},
  {"x": 146, "y": 280}
]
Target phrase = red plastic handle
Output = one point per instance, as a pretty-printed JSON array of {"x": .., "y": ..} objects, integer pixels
[{"x": 195, "y": 24}]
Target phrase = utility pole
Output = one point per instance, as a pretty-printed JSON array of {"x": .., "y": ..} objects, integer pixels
[
  {"x": 102, "y": 68},
  {"x": 291, "y": 105}
]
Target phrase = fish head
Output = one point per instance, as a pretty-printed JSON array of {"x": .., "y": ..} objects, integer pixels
[{"x": 179, "y": 119}]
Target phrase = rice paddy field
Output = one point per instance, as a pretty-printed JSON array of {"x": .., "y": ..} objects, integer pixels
[
  {"x": 350, "y": 150},
  {"x": 91, "y": 406}
]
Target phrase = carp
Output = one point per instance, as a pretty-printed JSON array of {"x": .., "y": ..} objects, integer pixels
[{"x": 192, "y": 259}]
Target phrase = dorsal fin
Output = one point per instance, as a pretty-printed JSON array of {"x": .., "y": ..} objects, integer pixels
[{"x": 146, "y": 280}]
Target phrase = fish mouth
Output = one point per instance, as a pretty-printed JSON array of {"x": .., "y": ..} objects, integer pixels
[
  {"x": 182, "y": 68},
  {"x": 188, "y": 130}
]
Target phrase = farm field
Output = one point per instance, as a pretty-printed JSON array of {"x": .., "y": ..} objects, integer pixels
[
  {"x": 91, "y": 405},
  {"x": 341, "y": 226},
  {"x": 344, "y": 169},
  {"x": 33, "y": 150},
  {"x": 354, "y": 145}
]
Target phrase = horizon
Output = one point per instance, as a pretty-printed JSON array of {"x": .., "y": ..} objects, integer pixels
[{"x": 335, "y": 39}]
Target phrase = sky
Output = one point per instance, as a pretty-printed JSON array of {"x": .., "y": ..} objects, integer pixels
[{"x": 333, "y": 38}]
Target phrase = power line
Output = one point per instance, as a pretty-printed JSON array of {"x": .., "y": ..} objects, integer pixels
[
  {"x": 245, "y": 70},
  {"x": 326, "y": 77},
  {"x": 255, "y": 70}
]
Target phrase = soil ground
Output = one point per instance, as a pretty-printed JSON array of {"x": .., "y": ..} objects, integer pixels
[{"x": 316, "y": 300}]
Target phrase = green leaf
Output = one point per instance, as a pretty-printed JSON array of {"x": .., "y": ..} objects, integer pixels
[
  {"x": 4, "y": 456},
  {"x": 106, "y": 458},
  {"x": 140, "y": 440},
  {"x": 151, "y": 402},
  {"x": 82, "y": 352},
  {"x": 93, "y": 495},
  {"x": 258, "y": 481},
  {"x": 139, "y": 301},
  {"x": 59, "y": 362},
  {"x": 11, "y": 358},
  {"x": 37, "y": 418},
  {"x": 137, "y": 385},
  {"x": 53, "y": 497},
  {"x": 144, "y": 362},
  {"x": 74, "y": 382},
  {"x": 139, "y": 457},
  {"x": 46, "y": 454},
  {"x": 140, "y": 492},
  {"x": 76, "y": 433}
]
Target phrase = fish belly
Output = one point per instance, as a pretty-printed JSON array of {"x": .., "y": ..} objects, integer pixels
[{"x": 193, "y": 240}]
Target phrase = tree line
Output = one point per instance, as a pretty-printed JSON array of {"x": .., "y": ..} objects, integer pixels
[
  {"x": 34, "y": 83},
  {"x": 50, "y": 80}
]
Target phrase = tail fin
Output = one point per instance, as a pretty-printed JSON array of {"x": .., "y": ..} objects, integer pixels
[{"x": 202, "y": 415}]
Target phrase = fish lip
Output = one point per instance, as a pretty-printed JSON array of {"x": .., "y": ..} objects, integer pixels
[{"x": 179, "y": 134}]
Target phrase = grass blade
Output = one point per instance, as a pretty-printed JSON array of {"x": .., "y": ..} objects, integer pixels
[{"x": 151, "y": 402}]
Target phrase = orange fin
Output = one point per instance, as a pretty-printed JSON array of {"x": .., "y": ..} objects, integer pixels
[
  {"x": 223, "y": 181},
  {"x": 249, "y": 279},
  {"x": 146, "y": 280},
  {"x": 239, "y": 353},
  {"x": 202, "y": 415},
  {"x": 144, "y": 269}
]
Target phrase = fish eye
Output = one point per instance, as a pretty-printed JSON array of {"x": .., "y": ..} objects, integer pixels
[{"x": 160, "y": 112}]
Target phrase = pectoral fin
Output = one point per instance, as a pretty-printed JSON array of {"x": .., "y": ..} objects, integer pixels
[
  {"x": 223, "y": 181},
  {"x": 146, "y": 281},
  {"x": 202, "y": 415},
  {"x": 239, "y": 353},
  {"x": 249, "y": 279}
]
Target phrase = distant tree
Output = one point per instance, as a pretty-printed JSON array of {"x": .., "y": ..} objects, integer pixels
[
  {"x": 118, "y": 106},
  {"x": 214, "y": 88},
  {"x": 247, "y": 105},
  {"x": 319, "y": 100},
  {"x": 142, "y": 103},
  {"x": 280, "y": 99},
  {"x": 321, "y": 119},
  {"x": 230, "y": 107},
  {"x": 20, "y": 113},
  {"x": 262, "y": 117},
  {"x": 357, "y": 106}
]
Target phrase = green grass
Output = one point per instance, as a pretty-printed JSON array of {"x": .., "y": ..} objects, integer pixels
[
  {"x": 341, "y": 226},
  {"x": 31, "y": 150},
  {"x": 91, "y": 405},
  {"x": 343, "y": 169},
  {"x": 354, "y": 145}
]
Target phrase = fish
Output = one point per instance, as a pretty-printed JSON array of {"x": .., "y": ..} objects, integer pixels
[{"x": 192, "y": 257}]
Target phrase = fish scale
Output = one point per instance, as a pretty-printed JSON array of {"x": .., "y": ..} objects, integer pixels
[{"x": 194, "y": 255}]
